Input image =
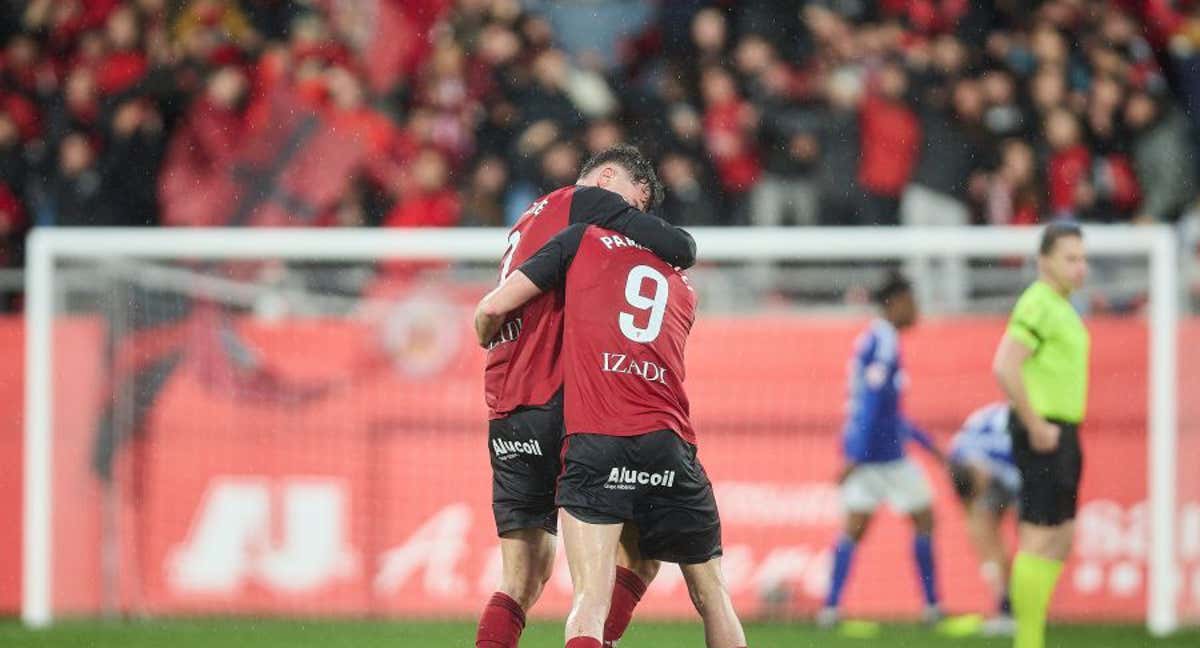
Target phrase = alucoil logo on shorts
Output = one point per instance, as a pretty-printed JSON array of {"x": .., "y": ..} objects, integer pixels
[
  {"x": 622, "y": 478},
  {"x": 503, "y": 448}
]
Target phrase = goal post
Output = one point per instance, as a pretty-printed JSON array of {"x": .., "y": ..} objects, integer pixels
[{"x": 49, "y": 248}]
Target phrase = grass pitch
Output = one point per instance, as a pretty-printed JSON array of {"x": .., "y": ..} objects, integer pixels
[{"x": 221, "y": 633}]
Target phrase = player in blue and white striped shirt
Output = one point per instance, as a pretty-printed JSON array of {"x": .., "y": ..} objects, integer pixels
[
  {"x": 876, "y": 433},
  {"x": 988, "y": 483}
]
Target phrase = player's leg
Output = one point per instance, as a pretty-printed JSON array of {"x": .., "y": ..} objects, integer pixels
[
  {"x": 861, "y": 492},
  {"x": 854, "y": 529},
  {"x": 593, "y": 512},
  {"x": 1035, "y": 573},
  {"x": 524, "y": 449},
  {"x": 985, "y": 501},
  {"x": 592, "y": 557},
  {"x": 634, "y": 574},
  {"x": 1052, "y": 542},
  {"x": 527, "y": 558},
  {"x": 679, "y": 523},
  {"x": 1049, "y": 495},
  {"x": 706, "y": 586},
  {"x": 909, "y": 492},
  {"x": 923, "y": 557}
]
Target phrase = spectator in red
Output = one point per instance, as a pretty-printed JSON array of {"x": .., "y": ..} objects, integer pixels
[
  {"x": 1070, "y": 163},
  {"x": 195, "y": 187},
  {"x": 12, "y": 225},
  {"x": 125, "y": 63},
  {"x": 431, "y": 200},
  {"x": 351, "y": 115},
  {"x": 728, "y": 134},
  {"x": 1111, "y": 193},
  {"x": 891, "y": 141}
]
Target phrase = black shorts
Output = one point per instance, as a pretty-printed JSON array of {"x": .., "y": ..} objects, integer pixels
[
  {"x": 524, "y": 448},
  {"x": 1049, "y": 480},
  {"x": 654, "y": 481}
]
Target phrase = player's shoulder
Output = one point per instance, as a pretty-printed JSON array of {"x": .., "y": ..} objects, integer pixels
[
  {"x": 563, "y": 191},
  {"x": 880, "y": 340},
  {"x": 1035, "y": 297},
  {"x": 608, "y": 241},
  {"x": 550, "y": 203},
  {"x": 1030, "y": 293},
  {"x": 990, "y": 416}
]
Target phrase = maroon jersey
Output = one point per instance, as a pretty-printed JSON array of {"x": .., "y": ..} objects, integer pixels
[
  {"x": 628, "y": 315},
  {"x": 523, "y": 363}
]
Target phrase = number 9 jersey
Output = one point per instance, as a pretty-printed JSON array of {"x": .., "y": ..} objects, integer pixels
[{"x": 627, "y": 318}]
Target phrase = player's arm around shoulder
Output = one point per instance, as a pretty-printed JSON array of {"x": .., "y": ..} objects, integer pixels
[
  {"x": 495, "y": 306},
  {"x": 546, "y": 269},
  {"x": 603, "y": 208}
]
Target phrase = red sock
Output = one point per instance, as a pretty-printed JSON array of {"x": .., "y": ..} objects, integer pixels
[
  {"x": 501, "y": 623},
  {"x": 583, "y": 642},
  {"x": 627, "y": 591}
]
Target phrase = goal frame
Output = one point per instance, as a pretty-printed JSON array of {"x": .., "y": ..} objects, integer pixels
[{"x": 46, "y": 246}]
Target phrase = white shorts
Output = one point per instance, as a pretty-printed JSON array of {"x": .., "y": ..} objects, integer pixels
[{"x": 901, "y": 483}]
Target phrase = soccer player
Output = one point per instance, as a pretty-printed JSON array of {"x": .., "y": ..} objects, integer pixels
[
  {"x": 524, "y": 379},
  {"x": 877, "y": 466},
  {"x": 987, "y": 482},
  {"x": 630, "y": 453},
  {"x": 1042, "y": 366}
]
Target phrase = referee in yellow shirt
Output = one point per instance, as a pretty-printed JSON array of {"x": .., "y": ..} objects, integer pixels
[{"x": 1042, "y": 365}]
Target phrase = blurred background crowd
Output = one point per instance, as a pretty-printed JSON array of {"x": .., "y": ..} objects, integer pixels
[{"x": 460, "y": 112}]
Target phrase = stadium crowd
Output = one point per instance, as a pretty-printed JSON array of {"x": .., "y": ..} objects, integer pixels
[{"x": 459, "y": 112}]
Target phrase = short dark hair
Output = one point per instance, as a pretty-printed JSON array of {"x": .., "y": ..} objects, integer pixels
[
  {"x": 894, "y": 284},
  {"x": 1058, "y": 230},
  {"x": 631, "y": 159}
]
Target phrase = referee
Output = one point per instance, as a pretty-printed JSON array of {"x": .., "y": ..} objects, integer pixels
[{"x": 1042, "y": 365}]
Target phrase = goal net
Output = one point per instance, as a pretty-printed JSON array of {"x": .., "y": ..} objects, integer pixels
[{"x": 291, "y": 422}]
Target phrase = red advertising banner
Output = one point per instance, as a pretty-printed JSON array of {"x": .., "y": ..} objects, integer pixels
[{"x": 375, "y": 497}]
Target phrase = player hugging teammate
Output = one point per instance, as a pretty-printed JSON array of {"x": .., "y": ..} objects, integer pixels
[{"x": 631, "y": 484}]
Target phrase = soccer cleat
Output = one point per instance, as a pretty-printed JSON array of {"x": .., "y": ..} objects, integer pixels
[
  {"x": 828, "y": 618},
  {"x": 966, "y": 625},
  {"x": 932, "y": 615},
  {"x": 999, "y": 626}
]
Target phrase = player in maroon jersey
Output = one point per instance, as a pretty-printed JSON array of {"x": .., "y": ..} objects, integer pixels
[
  {"x": 630, "y": 454},
  {"x": 523, "y": 383}
]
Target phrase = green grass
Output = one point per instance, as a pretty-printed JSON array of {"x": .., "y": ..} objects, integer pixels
[{"x": 336, "y": 634}]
